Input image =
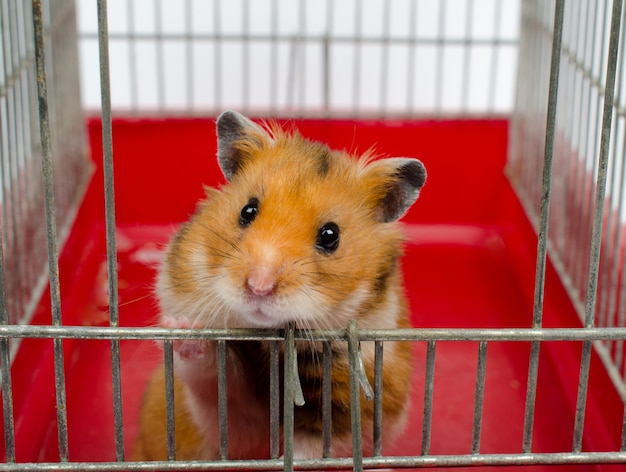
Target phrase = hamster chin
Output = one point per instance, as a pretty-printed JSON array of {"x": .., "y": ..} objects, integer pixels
[{"x": 271, "y": 311}]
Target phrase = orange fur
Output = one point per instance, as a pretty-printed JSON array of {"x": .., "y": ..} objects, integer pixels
[
  {"x": 152, "y": 440},
  {"x": 300, "y": 186}
]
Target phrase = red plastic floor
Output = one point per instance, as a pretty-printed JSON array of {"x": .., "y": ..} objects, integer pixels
[{"x": 469, "y": 263}]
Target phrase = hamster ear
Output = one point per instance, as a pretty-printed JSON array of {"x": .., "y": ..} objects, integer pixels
[
  {"x": 236, "y": 135},
  {"x": 396, "y": 184}
]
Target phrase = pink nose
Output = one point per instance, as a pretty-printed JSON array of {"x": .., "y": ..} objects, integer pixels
[{"x": 262, "y": 281}]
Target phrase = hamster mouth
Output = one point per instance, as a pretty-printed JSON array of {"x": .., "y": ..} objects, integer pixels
[
  {"x": 262, "y": 317},
  {"x": 259, "y": 311},
  {"x": 259, "y": 318}
]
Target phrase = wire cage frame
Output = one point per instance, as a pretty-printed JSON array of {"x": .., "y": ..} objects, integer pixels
[{"x": 566, "y": 135}]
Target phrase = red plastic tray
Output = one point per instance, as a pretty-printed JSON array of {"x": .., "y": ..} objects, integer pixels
[{"x": 469, "y": 263}]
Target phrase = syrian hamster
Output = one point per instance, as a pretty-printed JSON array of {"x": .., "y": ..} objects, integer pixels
[{"x": 300, "y": 233}]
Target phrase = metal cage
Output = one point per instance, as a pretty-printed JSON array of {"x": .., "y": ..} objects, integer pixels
[{"x": 566, "y": 160}]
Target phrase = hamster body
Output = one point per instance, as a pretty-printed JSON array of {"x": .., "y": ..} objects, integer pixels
[{"x": 299, "y": 234}]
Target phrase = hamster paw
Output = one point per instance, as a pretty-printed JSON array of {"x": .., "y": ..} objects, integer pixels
[{"x": 188, "y": 349}]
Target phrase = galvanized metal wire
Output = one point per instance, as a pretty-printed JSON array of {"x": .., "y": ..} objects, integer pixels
[
  {"x": 586, "y": 189},
  {"x": 53, "y": 254},
  {"x": 294, "y": 59},
  {"x": 109, "y": 198}
]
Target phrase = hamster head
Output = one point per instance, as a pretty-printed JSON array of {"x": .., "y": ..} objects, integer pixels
[{"x": 299, "y": 233}]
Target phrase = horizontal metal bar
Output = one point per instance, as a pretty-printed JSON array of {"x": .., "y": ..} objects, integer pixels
[
  {"x": 468, "y": 460},
  {"x": 412, "y": 334},
  {"x": 290, "y": 38}
]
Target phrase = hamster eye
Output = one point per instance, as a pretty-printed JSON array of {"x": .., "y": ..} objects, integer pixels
[
  {"x": 249, "y": 212},
  {"x": 328, "y": 238}
]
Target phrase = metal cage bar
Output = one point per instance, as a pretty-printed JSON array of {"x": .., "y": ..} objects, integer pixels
[
  {"x": 542, "y": 237},
  {"x": 5, "y": 371},
  {"x": 222, "y": 399},
  {"x": 311, "y": 65},
  {"x": 596, "y": 239},
  {"x": 327, "y": 387},
  {"x": 53, "y": 263},
  {"x": 588, "y": 163},
  {"x": 483, "y": 336},
  {"x": 170, "y": 401},
  {"x": 429, "y": 386},
  {"x": 274, "y": 400},
  {"x": 111, "y": 245},
  {"x": 479, "y": 396}
]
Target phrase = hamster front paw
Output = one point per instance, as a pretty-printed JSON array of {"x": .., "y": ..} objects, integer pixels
[{"x": 188, "y": 349}]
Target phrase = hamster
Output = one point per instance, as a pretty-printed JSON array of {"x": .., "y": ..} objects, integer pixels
[{"x": 302, "y": 234}]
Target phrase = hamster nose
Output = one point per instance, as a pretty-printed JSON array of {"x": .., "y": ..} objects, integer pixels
[{"x": 262, "y": 281}]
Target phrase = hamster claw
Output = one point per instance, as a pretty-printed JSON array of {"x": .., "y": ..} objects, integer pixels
[{"x": 188, "y": 349}]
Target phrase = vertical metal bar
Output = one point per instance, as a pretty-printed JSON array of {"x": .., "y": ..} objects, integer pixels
[
  {"x": 39, "y": 252},
  {"x": 132, "y": 56},
  {"x": 53, "y": 262},
  {"x": 288, "y": 398},
  {"x": 531, "y": 396},
  {"x": 411, "y": 86},
  {"x": 623, "y": 442},
  {"x": 356, "y": 75},
  {"x": 189, "y": 43},
  {"x": 479, "y": 396},
  {"x": 542, "y": 239},
  {"x": 355, "y": 397},
  {"x": 5, "y": 369},
  {"x": 4, "y": 144},
  {"x": 222, "y": 399},
  {"x": 466, "y": 54},
  {"x": 378, "y": 398},
  {"x": 302, "y": 59},
  {"x": 439, "y": 57},
  {"x": 570, "y": 159},
  {"x": 587, "y": 185},
  {"x": 610, "y": 272},
  {"x": 326, "y": 75},
  {"x": 109, "y": 199},
  {"x": 327, "y": 407},
  {"x": 16, "y": 296},
  {"x": 170, "y": 401},
  {"x": 574, "y": 181},
  {"x": 274, "y": 400},
  {"x": 327, "y": 57},
  {"x": 116, "y": 386},
  {"x": 497, "y": 22},
  {"x": 292, "y": 75},
  {"x": 17, "y": 205},
  {"x": 564, "y": 160},
  {"x": 429, "y": 386},
  {"x": 384, "y": 60},
  {"x": 217, "y": 65},
  {"x": 31, "y": 265},
  {"x": 594, "y": 261},
  {"x": 274, "y": 58},
  {"x": 107, "y": 138},
  {"x": 621, "y": 310},
  {"x": 158, "y": 34},
  {"x": 245, "y": 56}
]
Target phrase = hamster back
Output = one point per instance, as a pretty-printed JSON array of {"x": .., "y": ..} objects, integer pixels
[{"x": 301, "y": 234}]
